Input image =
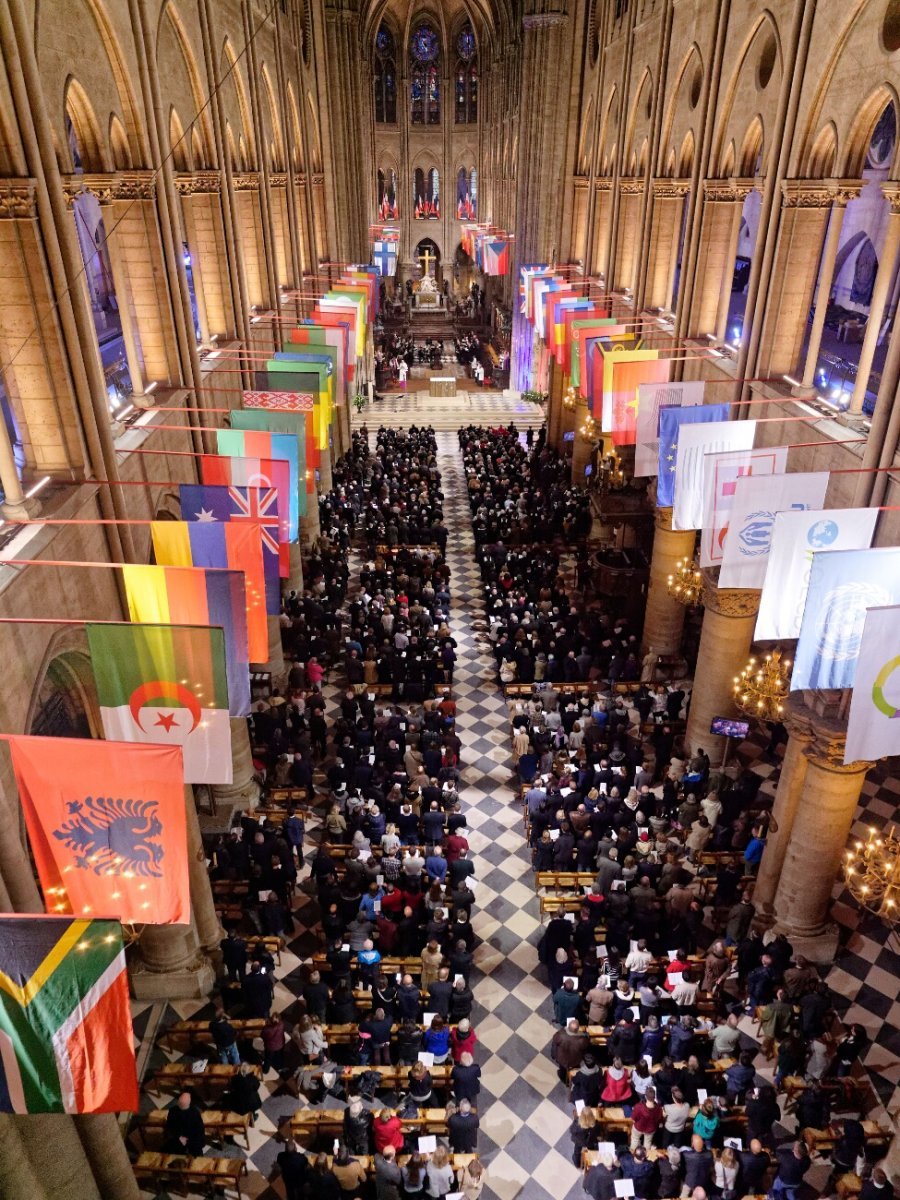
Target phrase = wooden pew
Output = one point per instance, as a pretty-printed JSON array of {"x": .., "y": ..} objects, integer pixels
[
  {"x": 457, "y": 1161},
  {"x": 178, "y": 1076},
  {"x": 190, "y": 1174},
  {"x": 823, "y": 1140},
  {"x": 218, "y": 1124},
  {"x": 389, "y": 965},
  {"x": 183, "y": 1033},
  {"x": 556, "y": 904},
  {"x": 286, "y": 796},
  {"x": 345, "y": 1035},
  {"x": 396, "y": 1077},
  {"x": 562, "y": 881},
  {"x": 848, "y": 1093},
  {"x": 311, "y": 1123}
]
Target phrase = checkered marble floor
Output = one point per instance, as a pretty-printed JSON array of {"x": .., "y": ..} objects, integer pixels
[{"x": 524, "y": 1140}]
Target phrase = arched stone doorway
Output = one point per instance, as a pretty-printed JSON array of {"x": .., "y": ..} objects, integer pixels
[
  {"x": 428, "y": 274},
  {"x": 64, "y": 702}
]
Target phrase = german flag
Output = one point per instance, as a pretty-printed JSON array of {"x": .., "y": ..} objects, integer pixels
[{"x": 66, "y": 1042}]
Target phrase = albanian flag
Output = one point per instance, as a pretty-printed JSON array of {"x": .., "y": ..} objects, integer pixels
[
  {"x": 106, "y": 822},
  {"x": 65, "y": 1024}
]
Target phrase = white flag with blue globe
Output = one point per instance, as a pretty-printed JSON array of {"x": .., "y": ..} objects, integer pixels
[
  {"x": 757, "y": 498},
  {"x": 796, "y": 536},
  {"x": 873, "y": 730},
  {"x": 843, "y": 585}
]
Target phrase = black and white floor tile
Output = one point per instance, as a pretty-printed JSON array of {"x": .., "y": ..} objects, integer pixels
[{"x": 524, "y": 1140}]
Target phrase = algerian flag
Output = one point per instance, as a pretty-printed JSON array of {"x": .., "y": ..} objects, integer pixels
[{"x": 166, "y": 684}]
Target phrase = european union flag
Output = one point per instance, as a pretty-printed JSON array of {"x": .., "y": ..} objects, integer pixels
[{"x": 670, "y": 421}]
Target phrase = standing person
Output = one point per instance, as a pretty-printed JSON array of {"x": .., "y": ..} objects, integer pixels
[
  {"x": 225, "y": 1038},
  {"x": 472, "y": 1179},
  {"x": 273, "y": 1039},
  {"x": 793, "y": 1163},
  {"x": 462, "y": 1127},
  {"x": 439, "y": 1174},
  {"x": 185, "y": 1131},
  {"x": 388, "y": 1177},
  {"x": 294, "y": 1167}
]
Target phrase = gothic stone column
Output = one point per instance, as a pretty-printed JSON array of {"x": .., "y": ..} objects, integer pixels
[
  {"x": 628, "y": 233},
  {"x": 105, "y": 1152},
  {"x": 280, "y": 229},
  {"x": 243, "y": 791},
  {"x": 825, "y": 810},
  {"x": 37, "y": 379},
  {"x": 728, "y": 622},
  {"x": 664, "y": 618},
  {"x": 602, "y": 219},
  {"x": 714, "y": 271},
  {"x": 201, "y": 208},
  {"x": 846, "y": 191},
  {"x": 253, "y": 254},
  {"x": 805, "y": 208},
  {"x": 797, "y": 718},
  {"x": 887, "y": 262},
  {"x": 665, "y": 231}
]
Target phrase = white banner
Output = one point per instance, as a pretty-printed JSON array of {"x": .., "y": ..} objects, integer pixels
[
  {"x": 756, "y": 501},
  {"x": 651, "y": 398},
  {"x": 873, "y": 730},
  {"x": 720, "y": 474},
  {"x": 694, "y": 443},
  {"x": 795, "y": 538}
]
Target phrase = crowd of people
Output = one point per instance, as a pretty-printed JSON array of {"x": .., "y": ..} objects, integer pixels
[
  {"x": 658, "y": 961},
  {"x": 391, "y": 874}
]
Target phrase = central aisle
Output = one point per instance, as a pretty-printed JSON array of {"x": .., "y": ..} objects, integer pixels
[{"x": 524, "y": 1137}]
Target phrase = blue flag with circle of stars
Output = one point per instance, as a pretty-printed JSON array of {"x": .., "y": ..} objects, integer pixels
[{"x": 670, "y": 421}]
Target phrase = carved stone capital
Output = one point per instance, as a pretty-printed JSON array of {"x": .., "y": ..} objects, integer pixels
[
  {"x": 663, "y": 519},
  {"x": 728, "y": 602},
  {"x": 631, "y": 187},
  {"x": 17, "y": 202},
  {"x": 341, "y": 16},
  {"x": 318, "y": 180},
  {"x": 544, "y": 20},
  {"x": 726, "y": 191},
  {"x": 134, "y": 185},
  {"x": 604, "y": 184},
  {"x": 807, "y": 193},
  {"x": 891, "y": 192},
  {"x": 278, "y": 180},
  {"x": 671, "y": 189},
  {"x": 103, "y": 187},
  {"x": 196, "y": 183},
  {"x": 246, "y": 181},
  {"x": 822, "y": 729}
]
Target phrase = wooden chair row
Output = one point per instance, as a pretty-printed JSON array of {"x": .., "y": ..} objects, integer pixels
[
  {"x": 190, "y": 1174},
  {"x": 329, "y": 1122},
  {"x": 184, "y": 1033},
  {"x": 218, "y": 1124},
  {"x": 178, "y": 1076}
]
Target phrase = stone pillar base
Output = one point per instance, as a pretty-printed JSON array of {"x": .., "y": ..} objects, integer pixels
[
  {"x": 803, "y": 393},
  {"x": 23, "y": 511},
  {"x": 187, "y": 983},
  {"x": 818, "y": 948}
]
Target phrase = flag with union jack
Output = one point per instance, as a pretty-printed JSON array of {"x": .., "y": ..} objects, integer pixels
[{"x": 207, "y": 502}]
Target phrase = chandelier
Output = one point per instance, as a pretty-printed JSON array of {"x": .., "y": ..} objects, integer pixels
[
  {"x": 686, "y": 584},
  {"x": 569, "y": 400},
  {"x": 761, "y": 687},
  {"x": 589, "y": 431},
  {"x": 872, "y": 874}
]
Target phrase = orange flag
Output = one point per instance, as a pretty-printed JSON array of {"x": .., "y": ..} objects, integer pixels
[{"x": 107, "y": 826}]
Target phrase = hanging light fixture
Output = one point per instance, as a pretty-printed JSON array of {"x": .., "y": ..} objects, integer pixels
[
  {"x": 760, "y": 689},
  {"x": 686, "y": 584},
  {"x": 589, "y": 431},
  {"x": 569, "y": 400},
  {"x": 872, "y": 875}
]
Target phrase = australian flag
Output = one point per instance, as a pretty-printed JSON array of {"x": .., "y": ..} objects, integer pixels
[{"x": 208, "y": 502}]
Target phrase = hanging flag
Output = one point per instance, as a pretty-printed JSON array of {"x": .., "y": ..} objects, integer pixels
[
  {"x": 671, "y": 420},
  {"x": 756, "y": 501},
  {"x": 843, "y": 584},
  {"x": 873, "y": 730},
  {"x": 796, "y": 536},
  {"x": 720, "y": 474},
  {"x": 298, "y": 425},
  {"x": 202, "y": 502},
  {"x": 496, "y": 256},
  {"x": 195, "y": 596},
  {"x": 266, "y": 447},
  {"x": 279, "y": 401},
  {"x": 106, "y": 822},
  {"x": 384, "y": 254},
  {"x": 166, "y": 684},
  {"x": 66, "y": 1040},
  {"x": 651, "y": 398},
  {"x": 233, "y": 545},
  {"x": 582, "y": 348},
  {"x": 628, "y": 371},
  {"x": 694, "y": 443}
]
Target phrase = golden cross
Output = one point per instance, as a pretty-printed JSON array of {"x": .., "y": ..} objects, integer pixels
[{"x": 426, "y": 258}]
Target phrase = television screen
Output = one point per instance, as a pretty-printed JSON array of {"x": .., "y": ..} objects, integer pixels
[{"x": 725, "y": 727}]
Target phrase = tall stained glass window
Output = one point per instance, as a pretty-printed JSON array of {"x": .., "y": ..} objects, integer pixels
[
  {"x": 425, "y": 76},
  {"x": 385, "y": 76},
  {"x": 466, "y": 77}
]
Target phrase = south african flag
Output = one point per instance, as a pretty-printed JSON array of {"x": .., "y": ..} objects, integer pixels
[{"x": 65, "y": 1026}]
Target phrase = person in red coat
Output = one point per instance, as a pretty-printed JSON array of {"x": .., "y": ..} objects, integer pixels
[
  {"x": 387, "y": 1131},
  {"x": 462, "y": 1040}
]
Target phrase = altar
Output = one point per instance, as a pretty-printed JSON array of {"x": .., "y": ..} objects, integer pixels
[
  {"x": 426, "y": 294},
  {"x": 442, "y": 385}
]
